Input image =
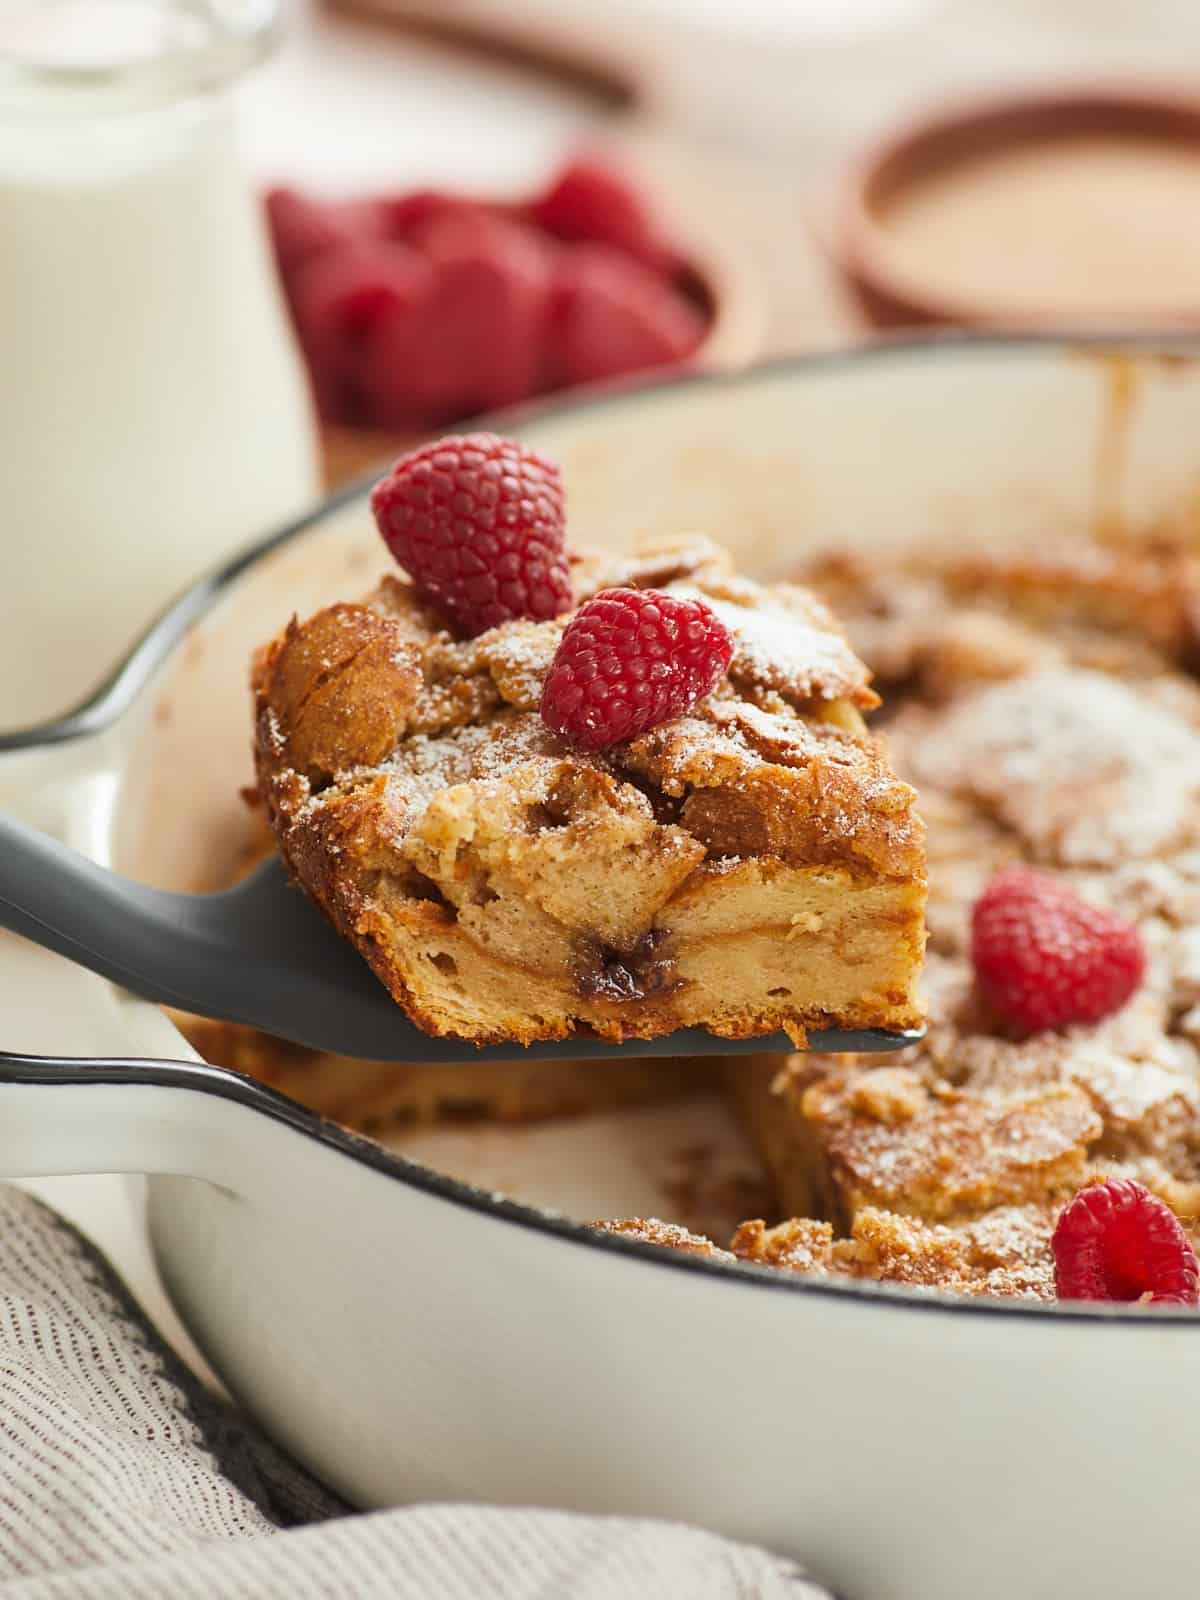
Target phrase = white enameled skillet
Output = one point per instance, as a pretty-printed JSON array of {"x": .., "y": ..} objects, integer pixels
[{"x": 410, "y": 1337}]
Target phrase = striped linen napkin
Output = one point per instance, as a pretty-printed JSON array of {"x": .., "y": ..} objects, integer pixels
[{"x": 123, "y": 1478}]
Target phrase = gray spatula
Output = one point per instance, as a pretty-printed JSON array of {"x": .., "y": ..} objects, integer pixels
[{"x": 262, "y": 954}]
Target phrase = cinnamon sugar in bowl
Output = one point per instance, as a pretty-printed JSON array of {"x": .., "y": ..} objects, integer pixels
[{"x": 1065, "y": 208}]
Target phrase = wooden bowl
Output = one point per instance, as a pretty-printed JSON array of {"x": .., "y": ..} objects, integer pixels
[{"x": 1076, "y": 151}]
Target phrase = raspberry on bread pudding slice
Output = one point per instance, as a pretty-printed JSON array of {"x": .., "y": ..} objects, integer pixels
[{"x": 750, "y": 866}]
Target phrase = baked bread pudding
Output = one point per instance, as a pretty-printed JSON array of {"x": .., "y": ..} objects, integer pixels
[
  {"x": 1043, "y": 1140},
  {"x": 544, "y": 793},
  {"x": 1044, "y": 1137}
]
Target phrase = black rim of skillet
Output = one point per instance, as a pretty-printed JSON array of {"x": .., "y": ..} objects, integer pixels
[{"x": 118, "y": 692}]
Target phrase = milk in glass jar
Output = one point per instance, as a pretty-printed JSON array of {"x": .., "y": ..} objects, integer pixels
[{"x": 153, "y": 412}]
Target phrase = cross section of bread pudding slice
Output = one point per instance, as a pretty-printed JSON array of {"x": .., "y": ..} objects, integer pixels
[
  {"x": 387, "y": 1098},
  {"x": 751, "y": 867}
]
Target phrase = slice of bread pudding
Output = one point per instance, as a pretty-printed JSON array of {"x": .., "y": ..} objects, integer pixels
[{"x": 750, "y": 867}]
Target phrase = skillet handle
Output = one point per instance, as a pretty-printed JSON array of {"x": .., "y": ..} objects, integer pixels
[
  {"x": 65, "y": 786},
  {"x": 61, "y": 1116}
]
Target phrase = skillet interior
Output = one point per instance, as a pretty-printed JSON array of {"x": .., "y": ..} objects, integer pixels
[{"x": 959, "y": 440}]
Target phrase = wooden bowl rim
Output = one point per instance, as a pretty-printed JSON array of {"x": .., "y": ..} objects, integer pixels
[{"x": 954, "y": 134}]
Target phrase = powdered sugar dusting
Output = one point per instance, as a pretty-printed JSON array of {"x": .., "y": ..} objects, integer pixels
[
  {"x": 1087, "y": 771},
  {"x": 479, "y": 752},
  {"x": 688, "y": 752},
  {"x": 780, "y": 647},
  {"x": 274, "y": 733}
]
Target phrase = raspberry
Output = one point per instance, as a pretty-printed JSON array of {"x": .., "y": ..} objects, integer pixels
[
  {"x": 399, "y": 214},
  {"x": 1117, "y": 1241},
  {"x": 303, "y": 229},
  {"x": 589, "y": 199},
  {"x": 477, "y": 522},
  {"x": 479, "y": 341},
  {"x": 628, "y": 660},
  {"x": 1044, "y": 957},
  {"x": 339, "y": 302},
  {"x": 493, "y": 303},
  {"x": 615, "y": 316}
]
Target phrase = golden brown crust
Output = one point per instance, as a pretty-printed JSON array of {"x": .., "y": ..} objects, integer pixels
[
  {"x": 798, "y": 1245},
  {"x": 937, "y": 622},
  {"x": 1005, "y": 1252},
  {"x": 649, "y": 1230},
  {"x": 1148, "y": 591},
  {"x": 335, "y": 693},
  {"x": 754, "y": 782},
  {"x": 893, "y": 1141},
  {"x": 505, "y": 887}
]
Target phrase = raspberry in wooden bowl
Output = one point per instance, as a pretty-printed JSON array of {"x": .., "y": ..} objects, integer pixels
[{"x": 419, "y": 309}]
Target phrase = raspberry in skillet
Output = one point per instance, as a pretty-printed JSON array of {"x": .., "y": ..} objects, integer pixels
[
  {"x": 1117, "y": 1241},
  {"x": 628, "y": 660},
  {"x": 1045, "y": 958},
  {"x": 477, "y": 523}
]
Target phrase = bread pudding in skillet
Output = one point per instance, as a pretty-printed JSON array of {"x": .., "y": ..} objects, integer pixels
[
  {"x": 1043, "y": 1139},
  {"x": 746, "y": 857}
]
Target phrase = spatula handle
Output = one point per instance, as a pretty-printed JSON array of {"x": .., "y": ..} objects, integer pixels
[
  {"x": 261, "y": 959},
  {"x": 59, "y": 899}
]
